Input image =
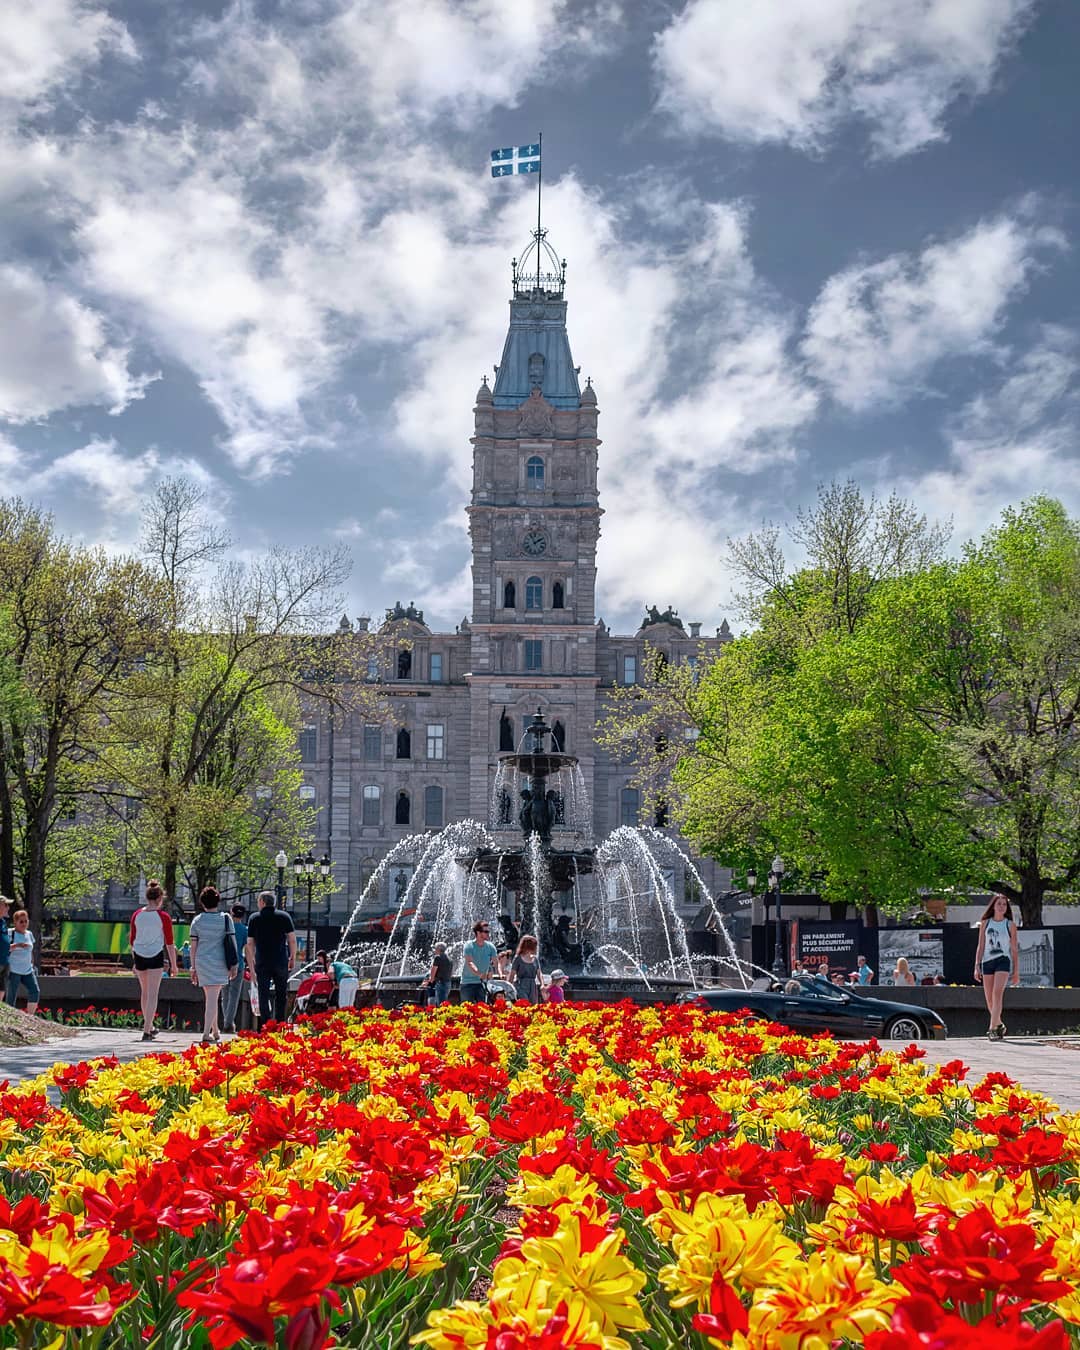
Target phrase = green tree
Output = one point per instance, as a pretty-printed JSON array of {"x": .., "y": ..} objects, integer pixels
[
  {"x": 773, "y": 748},
  {"x": 79, "y": 624},
  {"x": 985, "y": 654},
  {"x": 242, "y": 646}
]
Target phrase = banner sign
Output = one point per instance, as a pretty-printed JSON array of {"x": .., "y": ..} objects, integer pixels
[
  {"x": 97, "y": 938},
  {"x": 922, "y": 948},
  {"x": 834, "y": 944}
]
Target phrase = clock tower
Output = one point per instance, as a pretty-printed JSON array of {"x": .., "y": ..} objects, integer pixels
[{"x": 534, "y": 522}]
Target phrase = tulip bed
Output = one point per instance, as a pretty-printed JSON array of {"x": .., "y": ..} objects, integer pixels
[{"x": 527, "y": 1179}]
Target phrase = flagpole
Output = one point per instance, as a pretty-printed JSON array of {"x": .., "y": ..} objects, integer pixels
[{"x": 539, "y": 189}]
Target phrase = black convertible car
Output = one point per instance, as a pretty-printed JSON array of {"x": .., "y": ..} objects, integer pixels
[{"x": 809, "y": 1004}]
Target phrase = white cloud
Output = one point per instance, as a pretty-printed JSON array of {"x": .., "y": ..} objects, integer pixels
[
  {"x": 12, "y": 468},
  {"x": 55, "y": 353},
  {"x": 49, "y": 41},
  {"x": 119, "y": 482},
  {"x": 399, "y": 61},
  {"x": 793, "y": 70},
  {"x": 877, "y": 329},
  {"x": 1015, "y": 438}
]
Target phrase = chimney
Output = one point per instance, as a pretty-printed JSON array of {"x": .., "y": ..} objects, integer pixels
[
  {"x": 362, "y": 622},
  {"x": 695, "y": 630}
]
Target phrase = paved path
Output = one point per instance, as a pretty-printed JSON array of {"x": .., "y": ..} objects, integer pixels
[
  {"x": 1050, "y": 1065},
  {"x": 27, "y": 1061}
]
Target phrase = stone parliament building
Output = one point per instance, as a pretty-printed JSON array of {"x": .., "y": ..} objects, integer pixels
[{"x": 533, "y": 639}]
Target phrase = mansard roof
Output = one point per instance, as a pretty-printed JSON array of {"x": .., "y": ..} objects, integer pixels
[{"x": 536, "y": 354}]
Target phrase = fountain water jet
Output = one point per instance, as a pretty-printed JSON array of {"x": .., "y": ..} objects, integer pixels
[{"x": 463, "y": 873}]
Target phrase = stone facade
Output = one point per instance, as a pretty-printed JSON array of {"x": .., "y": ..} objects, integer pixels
[{"x": 533, "y": 639}]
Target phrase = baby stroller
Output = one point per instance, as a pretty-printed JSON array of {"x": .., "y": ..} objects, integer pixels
[
  {"x": 315, "y": 995},
  {"x": 504, "y": 989}
]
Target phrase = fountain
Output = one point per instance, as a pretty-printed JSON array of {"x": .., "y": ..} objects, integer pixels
[{"x": 605, "y": 914}]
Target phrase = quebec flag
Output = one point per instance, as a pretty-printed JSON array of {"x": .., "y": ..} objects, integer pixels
[{"x": 515, "y": 159}]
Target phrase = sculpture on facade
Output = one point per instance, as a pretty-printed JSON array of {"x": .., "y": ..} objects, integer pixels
[
  {"x": 669, "y": 615},
  {"x": 400, "y": 611}
]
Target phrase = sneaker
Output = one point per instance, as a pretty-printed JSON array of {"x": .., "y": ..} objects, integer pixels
[{"x": 147, "y": 1036}]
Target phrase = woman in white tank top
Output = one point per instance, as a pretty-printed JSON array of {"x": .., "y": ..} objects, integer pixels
[{"x": 997, "y": 959}]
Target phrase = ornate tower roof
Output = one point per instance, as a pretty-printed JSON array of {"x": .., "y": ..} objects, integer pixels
[{"x": 536, "y": 354}]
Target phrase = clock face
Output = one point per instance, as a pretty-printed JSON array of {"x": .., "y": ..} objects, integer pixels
[{"x": 535, "y": 543}]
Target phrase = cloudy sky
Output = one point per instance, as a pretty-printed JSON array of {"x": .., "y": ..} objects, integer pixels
[{"x": 257, "y": 243}]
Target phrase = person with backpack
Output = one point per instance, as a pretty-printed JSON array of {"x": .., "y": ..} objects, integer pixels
[{"x": 153, "y": 952}]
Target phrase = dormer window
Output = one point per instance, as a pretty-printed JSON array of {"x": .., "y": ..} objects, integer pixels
[{"x": 534, "y": 472}]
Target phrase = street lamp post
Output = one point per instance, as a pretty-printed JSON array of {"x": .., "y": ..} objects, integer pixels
[
  {"x": 305, "y": 867},
  {"x": 281, "y": 862},
  {"x": 776, "y": 877}
]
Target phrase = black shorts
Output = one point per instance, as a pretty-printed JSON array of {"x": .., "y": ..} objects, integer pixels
[
  {"x": 997, "y": 965},
  {"x": 149, "y": 962}
]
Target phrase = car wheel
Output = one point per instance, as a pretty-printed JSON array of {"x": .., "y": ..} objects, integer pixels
[{"x": 904, "y": 1028}]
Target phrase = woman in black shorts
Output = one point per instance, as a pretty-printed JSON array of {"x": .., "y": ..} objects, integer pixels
[
  {"x": 153, "y": 952},
  {"x": 997, "y": 959}
]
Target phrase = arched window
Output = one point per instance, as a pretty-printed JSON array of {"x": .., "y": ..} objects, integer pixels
[
  {"x": 404, "y": 664},
  {"x": 509, "y": 595},
  {"x": 629, "y": 805},
  {"x": 536, "y": 370},
  {"x": 557, "y": 595},
  {"x": 506, "y": 732},
  {"x": 534, "y": 593},
  {"x": 558, "y": 736},
  {"x": 402, "y": 808},
  {"x": 534, "y": 471},
  {"x": 433, "y": 807},
  {"x": 404, "y": 744},
  {"x": 660, "y": 815},
  {"x": 372, "y": 798},
  {"x": 367, "y": 871}
]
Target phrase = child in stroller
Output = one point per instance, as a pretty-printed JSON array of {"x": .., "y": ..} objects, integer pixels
[{"x": 315, "y": 994}]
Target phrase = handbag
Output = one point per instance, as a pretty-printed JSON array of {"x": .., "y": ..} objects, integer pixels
[{"x": 232, "y": 956}]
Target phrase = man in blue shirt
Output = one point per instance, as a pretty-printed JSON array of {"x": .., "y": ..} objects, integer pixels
[
  {"x": 479, "y": 962},
  {"x": 230, "y": 995},
  {"x": 862, "y": 970}
]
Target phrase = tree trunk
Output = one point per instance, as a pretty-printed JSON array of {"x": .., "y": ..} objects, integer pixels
[
  {"x": 1032, "y": 890},
  {"x": 168, "y": 878},
  {"x": 7, "y": 839},
  {"x": 34, "y": 877}
]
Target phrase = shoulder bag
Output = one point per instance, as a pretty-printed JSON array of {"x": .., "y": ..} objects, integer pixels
[{"x": 232, "y": 957}]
